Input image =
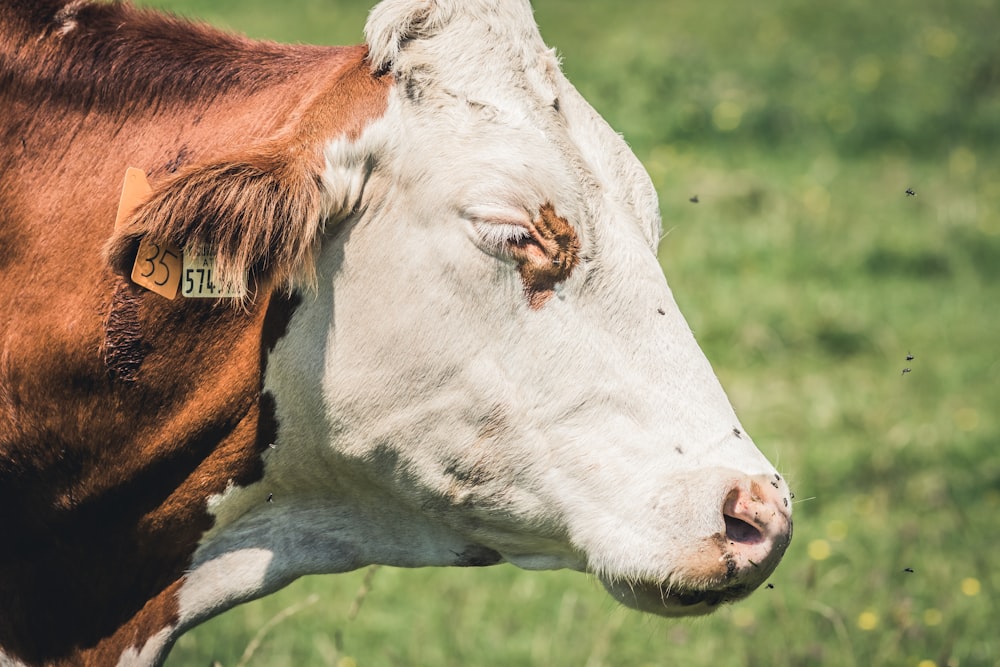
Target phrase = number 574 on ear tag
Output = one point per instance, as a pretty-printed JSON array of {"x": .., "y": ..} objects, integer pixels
[{"x": 157, "y": 265}]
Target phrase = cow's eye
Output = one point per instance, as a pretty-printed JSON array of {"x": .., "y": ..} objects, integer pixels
[
  {"x": 500, "y": 238},
  {"x": 500, "y": 230},
  {"x": 545, "y": 249}
]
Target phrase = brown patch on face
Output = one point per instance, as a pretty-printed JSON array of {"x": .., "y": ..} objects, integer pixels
[
  {"x": 548, "y": 256},
  {"x": 709, "y": 566}
]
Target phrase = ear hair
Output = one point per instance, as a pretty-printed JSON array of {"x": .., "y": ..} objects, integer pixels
[
  {"x": 393, "y": 23},
  {"x": 260, "y": 213}
]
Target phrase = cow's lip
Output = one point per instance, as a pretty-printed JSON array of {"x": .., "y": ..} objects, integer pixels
[
  {"x": 711, "y": 599},
  {"x": 664, "y": 600}
]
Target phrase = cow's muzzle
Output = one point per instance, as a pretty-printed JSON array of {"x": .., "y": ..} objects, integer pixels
[{"x": 727, "y": 566}]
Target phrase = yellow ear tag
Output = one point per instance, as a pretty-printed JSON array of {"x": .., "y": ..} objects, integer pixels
[
  {"x": 157, "y": 265},
  {"x": 135, "y": 190}
]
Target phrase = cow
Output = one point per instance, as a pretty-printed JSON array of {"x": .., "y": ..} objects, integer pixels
[{"x": 274, "y": 310}]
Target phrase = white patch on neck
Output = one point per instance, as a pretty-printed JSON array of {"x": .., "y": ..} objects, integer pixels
[
  {"x": 151, "y": 653},
  {"x": 220, "y": 583}
]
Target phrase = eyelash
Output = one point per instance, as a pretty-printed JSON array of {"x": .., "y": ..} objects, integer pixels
[{"x": 497, "y": 237}]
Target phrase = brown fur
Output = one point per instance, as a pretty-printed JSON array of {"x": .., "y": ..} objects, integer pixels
[
  {"x": 259, "y": 210},
  {"x": 121, "y": 411},
  {"x": 548, "y": 257}
]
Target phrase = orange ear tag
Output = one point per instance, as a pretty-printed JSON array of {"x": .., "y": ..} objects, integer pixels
[
  {"x": 135, "y": 190},
  {"x": 157, "y": 265}
]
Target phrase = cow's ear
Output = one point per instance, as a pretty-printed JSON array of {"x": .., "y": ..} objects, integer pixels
[
  {"x": 259, "y": 214},
  {"x": 394, "y": 23}
]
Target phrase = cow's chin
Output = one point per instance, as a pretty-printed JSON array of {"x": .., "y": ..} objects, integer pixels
[{"x": 672, "y": 601}]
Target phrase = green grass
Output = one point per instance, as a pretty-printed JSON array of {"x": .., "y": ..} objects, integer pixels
[{"x": 808, "y": 276}]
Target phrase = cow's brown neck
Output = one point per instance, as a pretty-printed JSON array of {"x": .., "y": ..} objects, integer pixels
[
  {"x": 122, "y": 412},
  {"x": 102, "y": 544}
]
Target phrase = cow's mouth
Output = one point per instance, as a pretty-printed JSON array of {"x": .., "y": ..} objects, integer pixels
[
  {"x": 671, "y": 601},
  {"x": 711, "y": 599}
]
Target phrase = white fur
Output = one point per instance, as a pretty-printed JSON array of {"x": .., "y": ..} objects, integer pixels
[
  {"x": 150, "y": 652},
  {"x": 6, "y": 661},
  {"x": 425, "y": 412}
]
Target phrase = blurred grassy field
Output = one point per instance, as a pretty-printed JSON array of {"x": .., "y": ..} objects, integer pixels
[{"x": 808, "y": 275}]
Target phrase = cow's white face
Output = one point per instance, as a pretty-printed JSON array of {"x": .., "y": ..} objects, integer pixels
[{"x": 440, "y": 404}]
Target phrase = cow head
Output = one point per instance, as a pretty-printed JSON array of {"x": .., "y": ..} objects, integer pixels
[{"x": 489, "y": 365}]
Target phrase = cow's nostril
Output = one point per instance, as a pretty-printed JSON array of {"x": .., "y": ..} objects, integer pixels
[{"x": 738, "y": 530}]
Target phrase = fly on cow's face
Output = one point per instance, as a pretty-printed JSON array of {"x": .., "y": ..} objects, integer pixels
[{"x": 738, "y": 433}]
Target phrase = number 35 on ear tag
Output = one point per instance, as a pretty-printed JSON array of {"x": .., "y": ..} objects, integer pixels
[{"x": 158, "y": 267}]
